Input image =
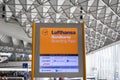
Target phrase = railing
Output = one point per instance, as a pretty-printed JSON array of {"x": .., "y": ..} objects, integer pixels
[
  {"x": 91, "y": 78},
  {"x": 15, "y": 64},
  {"x": 11, "y": 78}
]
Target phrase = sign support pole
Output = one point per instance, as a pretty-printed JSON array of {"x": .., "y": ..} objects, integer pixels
[
  {"x": 84, "y": 52},
  {"x": 33, "y": 47}
]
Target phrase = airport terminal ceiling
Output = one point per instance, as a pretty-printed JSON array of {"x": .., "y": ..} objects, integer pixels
[{"x": 101, "y": 17}]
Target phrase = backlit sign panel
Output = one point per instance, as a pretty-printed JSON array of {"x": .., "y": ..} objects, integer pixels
[
  {"x": 58, "y": 41},
  {"x": 58, "y": 50}
]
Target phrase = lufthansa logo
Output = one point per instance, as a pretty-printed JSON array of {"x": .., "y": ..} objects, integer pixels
[
  {"x": 63, "y": 32},
  {"x": 45, "y": 32}
]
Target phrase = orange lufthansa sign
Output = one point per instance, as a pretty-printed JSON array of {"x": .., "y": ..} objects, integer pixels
[{"x": 58, "y": 41}]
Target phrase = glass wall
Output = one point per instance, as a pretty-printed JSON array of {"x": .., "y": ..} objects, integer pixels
[{"x": 105, "y": 63}]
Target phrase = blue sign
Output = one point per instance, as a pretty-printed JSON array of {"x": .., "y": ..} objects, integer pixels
[{"x": 25, "y": 65}]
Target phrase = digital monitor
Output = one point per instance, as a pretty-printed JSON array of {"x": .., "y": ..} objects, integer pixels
[{"x": 59, "y": 64}]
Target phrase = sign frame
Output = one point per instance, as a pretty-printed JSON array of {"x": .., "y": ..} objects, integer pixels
[{"x": 35, "y": 50}]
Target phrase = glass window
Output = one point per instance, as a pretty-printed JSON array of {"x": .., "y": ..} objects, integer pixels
[{"x": 105, "y": 63}]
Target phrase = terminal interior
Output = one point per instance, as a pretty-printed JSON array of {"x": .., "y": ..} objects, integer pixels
[{"x": 102, "y": 34}]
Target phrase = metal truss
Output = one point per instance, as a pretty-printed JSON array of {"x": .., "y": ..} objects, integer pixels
[{"x": 101, "y": 17}]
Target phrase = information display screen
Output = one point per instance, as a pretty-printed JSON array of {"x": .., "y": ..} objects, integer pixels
[
  {"x": 59, "y": 64},
  {"x": 58, "y": 50}
]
